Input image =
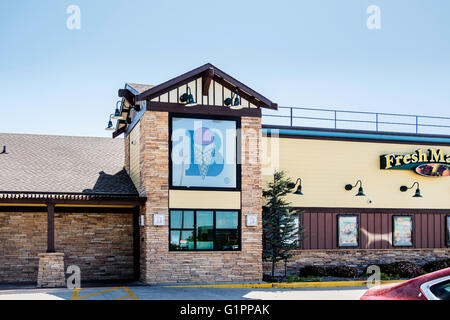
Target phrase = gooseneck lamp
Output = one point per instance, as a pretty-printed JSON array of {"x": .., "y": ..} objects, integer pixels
[
  {"x": 299, "y": 188},
  {"x": 417, "y": 194},
  {"x": 187, "y": 98},
  {"x": 117, "y": 114},
  {"x": 234, "y": 102},
  {"x": 360, "y": 193},
  {"x": 110, "y": 124}
]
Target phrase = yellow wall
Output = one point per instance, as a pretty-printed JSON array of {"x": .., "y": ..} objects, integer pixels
[
  {"x": 204, "y": 199},
  {"x": 325, "y": 167}
]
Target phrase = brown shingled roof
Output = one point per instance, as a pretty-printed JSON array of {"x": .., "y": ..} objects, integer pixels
[{"x": 63, "y": 164}]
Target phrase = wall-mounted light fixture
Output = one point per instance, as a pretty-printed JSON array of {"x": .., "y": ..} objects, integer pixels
[
  {"x": 137, "y": 108},
  {"x": 110, "y": 126},
  {"x": 298, "y": 191},
  {"x": 234, "y": 102},
  {"x": 417, "y": 194},
  {"x": 360, "y": 193},
  {"x": 187, "y": 98},
  {"x": 117, "y": 114}
]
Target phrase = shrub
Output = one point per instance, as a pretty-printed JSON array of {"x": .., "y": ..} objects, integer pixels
[
  {"x": 403, "y": 269},
  {"x": 343, "y": 272},
  {"x": 436, "y": 265},
  {"x": 312, "y": 271},
  {"x": 292, "y": 278}
]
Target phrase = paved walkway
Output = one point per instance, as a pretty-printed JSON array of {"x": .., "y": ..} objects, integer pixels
[{"x": 180, "y": 293}]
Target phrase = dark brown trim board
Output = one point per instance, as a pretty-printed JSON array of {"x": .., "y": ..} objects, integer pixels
[{"x": 203, "y": 109}]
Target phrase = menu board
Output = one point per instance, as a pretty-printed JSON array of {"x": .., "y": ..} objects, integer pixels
[
  {"x": 348, "y": 231},
  {"x": 402, "y": 235}
]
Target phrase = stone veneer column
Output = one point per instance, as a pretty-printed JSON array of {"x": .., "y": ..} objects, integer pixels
[
  {"x": 51, "y": 270},
  {"x": 158, "y": 264},
  {"x": 251, "y": 194},
  {"x": 154, "y": 163}
]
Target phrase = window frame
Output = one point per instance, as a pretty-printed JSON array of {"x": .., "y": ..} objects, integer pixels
[
  {"x": 239, "y": 229},
  {"x": 358, "y": 227},
  {"x": 447, "y": 233},
  {"x": 393, "y": 231},
  {"x": 237, "y": 120}
]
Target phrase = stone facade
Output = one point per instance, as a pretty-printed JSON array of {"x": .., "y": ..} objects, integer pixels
[
  {"x": 358, "y": 258},
  {"x": 158, "y": 264},
  {"x": 100, "y": 244},
  {"x": 51, "y": 270}
]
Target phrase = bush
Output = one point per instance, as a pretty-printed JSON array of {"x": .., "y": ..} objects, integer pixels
[
  {"x": 404, "y": 269},
  {"x": 312, "y": 271},
  {"x": 436, "y": 265},
  {"x": 343, "y": 272},
  {"x": 292, "y": 278}
]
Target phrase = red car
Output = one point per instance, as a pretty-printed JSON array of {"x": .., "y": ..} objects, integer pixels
[{"x": 431, "y": 286}]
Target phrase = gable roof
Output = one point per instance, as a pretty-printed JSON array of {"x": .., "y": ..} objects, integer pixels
[
  {"x": 63, "y": 164},
  {"x": 208, "y": 71}
]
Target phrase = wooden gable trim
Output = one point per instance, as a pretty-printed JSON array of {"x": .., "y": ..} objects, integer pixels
[
  {"x": 203, "y": 109},
  {"x": 208, "y": 71}
]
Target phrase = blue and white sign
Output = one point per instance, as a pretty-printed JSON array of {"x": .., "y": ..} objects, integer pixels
[{"x": 203, "y": 153}]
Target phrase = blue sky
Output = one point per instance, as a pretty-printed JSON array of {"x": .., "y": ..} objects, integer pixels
[{"x": 297, "y": 53}]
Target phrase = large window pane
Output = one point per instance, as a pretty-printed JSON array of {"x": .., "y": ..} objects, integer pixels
[
  {"x": 188, "y": 220},
  {"x": 226, "y": 219},
  {"x": 227, "y": 235},
  {"x": 176, "y": 219},
  {"x": 205, "y": 228},
  {"x": 182, "y": 240}
]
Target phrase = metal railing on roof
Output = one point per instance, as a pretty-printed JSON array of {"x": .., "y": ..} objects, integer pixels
[{"x": 356, "y": 120}]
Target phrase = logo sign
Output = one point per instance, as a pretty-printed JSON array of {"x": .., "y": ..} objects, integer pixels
[
  {"x": 204, "y": 153},
  {"x": 158, "y": 219},
  {"x": 251, "y": 220},
  {"x": 428, "y": 163}
]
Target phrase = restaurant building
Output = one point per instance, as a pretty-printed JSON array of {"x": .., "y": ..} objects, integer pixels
[{"x": 179, "y": 197}]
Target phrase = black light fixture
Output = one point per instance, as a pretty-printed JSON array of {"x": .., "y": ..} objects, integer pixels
[
  {"x": 417, "y": 194},
  {"x": 110, "y": 126},
  {"x": 187, "y": 98},
  {"x": 234, "y": 102},
  {"x": 137, "y": 108},
  {"x": 360, "y": 193},
  {"x": 299, "y": 188},
  {"x": 117, "y": 113}
]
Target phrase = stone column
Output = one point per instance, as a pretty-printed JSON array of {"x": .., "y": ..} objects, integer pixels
[{"x": 51, "y": 270}]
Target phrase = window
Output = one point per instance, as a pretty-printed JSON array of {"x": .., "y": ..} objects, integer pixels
[
  {"x": 447, "y": 218},
  {"x": 203, "y": 153},
  {"x": 402, "y": 231},
  {"x": 441, "y": 290},
  {"x": 347, "y": 230},
  {"x": 204, "y": 230}
]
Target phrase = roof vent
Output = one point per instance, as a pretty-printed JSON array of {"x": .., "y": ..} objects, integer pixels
[{"x": 4, "y": 150}]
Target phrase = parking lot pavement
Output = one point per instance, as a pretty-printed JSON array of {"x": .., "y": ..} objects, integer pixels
[{"x": 185, "y": 293}]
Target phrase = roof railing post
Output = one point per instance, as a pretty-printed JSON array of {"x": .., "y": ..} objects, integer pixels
[
  {"x": 417, "y": 124},
  {"x": 335, "y": 119},
  {"x": 291, "y": 116},
  {"x": 377, "y": 121}
]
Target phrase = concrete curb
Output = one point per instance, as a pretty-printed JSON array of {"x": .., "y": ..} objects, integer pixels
[{"x": 326, "y": 284}]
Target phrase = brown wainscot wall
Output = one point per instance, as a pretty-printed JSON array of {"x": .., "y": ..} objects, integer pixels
[{"x": 101, "y": 244}]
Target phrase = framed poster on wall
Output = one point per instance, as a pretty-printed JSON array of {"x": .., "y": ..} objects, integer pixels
[
  {"x": 402, "y": 231},
  {"x": 447, "y": 222},
  {"x": 347, "y": 230},
  {"x": 204, "y": 153}
]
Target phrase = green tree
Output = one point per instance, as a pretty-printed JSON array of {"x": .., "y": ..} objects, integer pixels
[{"x": 281, "y": 234}]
